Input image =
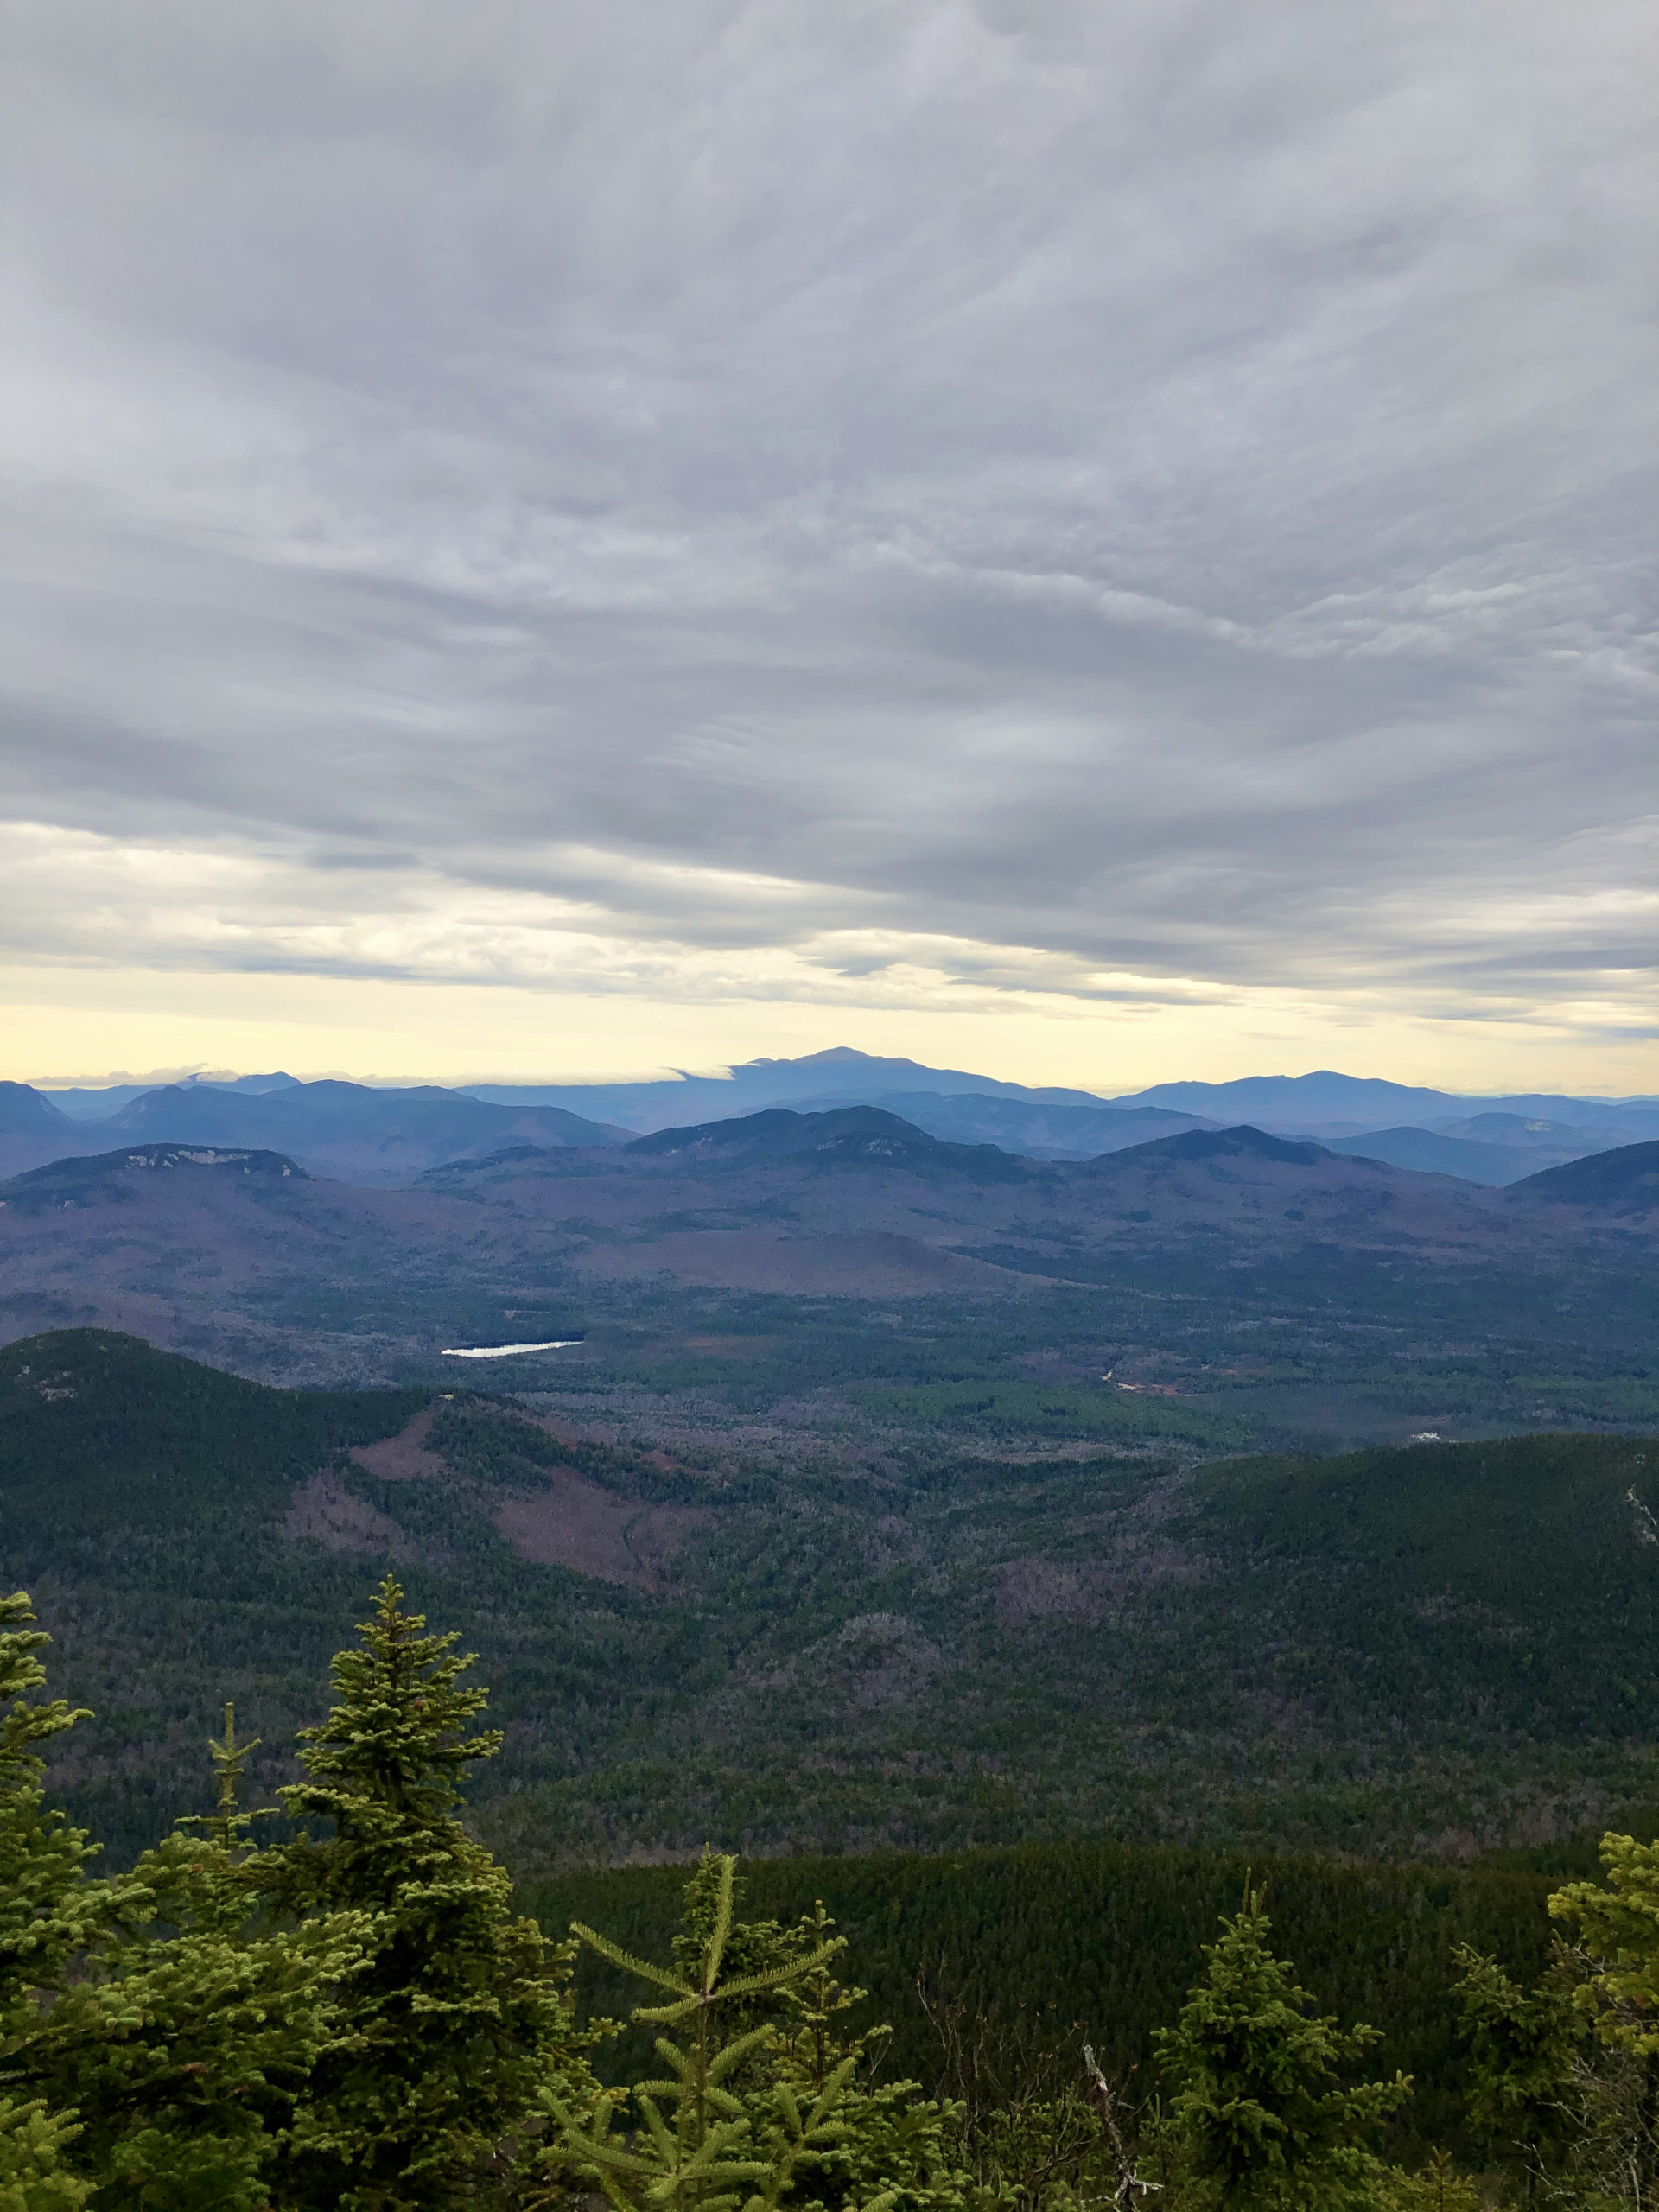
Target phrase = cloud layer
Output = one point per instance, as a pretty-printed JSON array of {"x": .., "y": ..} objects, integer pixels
[{"x": 840, "y": 505}]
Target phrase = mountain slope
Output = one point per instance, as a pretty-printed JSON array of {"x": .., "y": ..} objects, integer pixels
[
  {"x": 1550, "y": 1143},
  {"x": 861, "y": 1134},
  {"x": 1426, "y": 1153},
  {"x": 1296, "y": 1102},
  {"x": 1518, "y": 1578},
  {"x": 84, "y": 1103},
  {"x": 31, "y": 1128},
  {"x": 864, "y": 1651},
  {"x": 25, "y": 1113},
  {"x": 839, "y": 1075},
  {"x": 1323, "y": 1104},
  {"x": 111, "y": 1177},
  {"x": 1038, "y": 1130},
  {"x": 753, "y": 1202},
  {"x": 1328, "y": 1103},
  {"x": 1624, "y": 1181},
  {"x": 1242, "y": 1142},
  {"x": 1217, "y": 1287}
]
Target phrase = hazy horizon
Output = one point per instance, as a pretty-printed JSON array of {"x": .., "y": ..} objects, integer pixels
[{"x": 714, "y": 1071}]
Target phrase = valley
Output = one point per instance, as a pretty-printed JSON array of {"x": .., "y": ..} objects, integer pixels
[
  {"x": 842, "y": 1276},
  {"x": 862, "y": 1487},
  {"x": 807, "y": 1640}
]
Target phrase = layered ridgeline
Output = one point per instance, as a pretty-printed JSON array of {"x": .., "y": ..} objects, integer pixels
[
  {"x": 1393, "y": 1652},
  {"x": 369, "y": 1134},
  {"x": 350, "y": 1130},
  {"x": 845, "y": 1275}
]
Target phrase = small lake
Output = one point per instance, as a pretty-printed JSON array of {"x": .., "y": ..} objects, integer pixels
[{"x": 505, "y": 1351}]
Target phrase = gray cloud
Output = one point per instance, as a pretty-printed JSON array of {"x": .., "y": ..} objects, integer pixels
[{"x": 1057, "y": 496}]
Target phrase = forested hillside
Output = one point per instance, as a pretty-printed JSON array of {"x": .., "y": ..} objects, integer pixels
[
  {"x": 343, "y": 2013},
  {"x": 1060, "y": 1942},
  {"x": 1428, "y": 1650}
]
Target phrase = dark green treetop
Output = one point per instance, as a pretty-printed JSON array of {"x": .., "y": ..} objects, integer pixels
[
  {"x": 48, "y": 1911},
  {"x": 1618, "y": 1929},
  {"x": 1520, "y": 2045},
  {"x": 458, "y": 2014},
  {"x": 1260, "y": 2118},
  {"x": 160, "y": 2049},
  {"x": 759, "y": 2101}
]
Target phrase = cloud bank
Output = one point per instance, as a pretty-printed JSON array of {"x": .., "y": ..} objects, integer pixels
[{"x": 862, "y": 508}]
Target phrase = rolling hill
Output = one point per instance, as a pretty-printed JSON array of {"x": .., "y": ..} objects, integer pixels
[
  {"x": 351, "y": 1130},
  {"x": 1426, "y": 1151},
  {"x": 862, "y": 1135},
  {"x": 1625, "y": 1182},
  {"x": 812, "y": 1203},
  {"x": 113, "y": 1177}
]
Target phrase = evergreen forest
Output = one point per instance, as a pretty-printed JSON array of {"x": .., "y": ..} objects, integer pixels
[
  {"x": 1392, "y": 1653},
  {"x": 898, "y": 1824},
  {"x": 338, "y": 2000}
]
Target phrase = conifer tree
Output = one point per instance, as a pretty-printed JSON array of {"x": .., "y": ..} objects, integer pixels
[
  {"x": 1521, "y": 2045},
  {"x": 1618, "y": 1926},
  {"x": 48, "y": 1912},
  {"x": 1438, "y": 2188},
  {"x": 899, "y": 2142},
  {"x": 699, "y": 2149},
  {"x": 188, "y": 2041},
  {"x": 1618, "y": 1930},
  {"x": 751, "y": 2111},
  {"x": 1260, "y": 2118},
  {"x": 457, "y": 2014},
  {"x": 160, "y": 2049}
]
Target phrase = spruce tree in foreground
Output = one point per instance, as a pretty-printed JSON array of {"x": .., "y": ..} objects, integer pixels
[
  {"x": 456, "y": 2016},
  {"x": 156, "y": 2049},
  {"x": 759, "y": 2102},
  {"x": 188, "y": 2040},
  {"x": 1617, "y": 1931},
  {"x": 47, "y": 1913},
  {"x": 1260, "y": 2119},
  {"x": 1521, "y": 2045}
]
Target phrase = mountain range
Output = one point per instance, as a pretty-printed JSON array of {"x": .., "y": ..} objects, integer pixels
[
  {"x": 1325, "y": 1104},
  {"x": 353, "y": 1130},
  {"x": 1226, "y": 1283},
  {"x": 374, "y": 1135}
]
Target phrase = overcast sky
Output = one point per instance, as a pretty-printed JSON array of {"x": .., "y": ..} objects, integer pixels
[{"x": 1104, "y": 543}]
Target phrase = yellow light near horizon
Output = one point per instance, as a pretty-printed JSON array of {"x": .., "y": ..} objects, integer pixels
[{"x": 95, "y": 1024}]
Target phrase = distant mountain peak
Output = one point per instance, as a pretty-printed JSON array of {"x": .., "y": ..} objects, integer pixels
[
  {"x": 249, "y": 1085},
  {"x": 777, "y": 1130},
  {"x": 1241, "y": 1140},
  {"x": 843, "y": 1135},
  {"x": 25, "y": 1113},
  {"x": 87, "y": 1176}
]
